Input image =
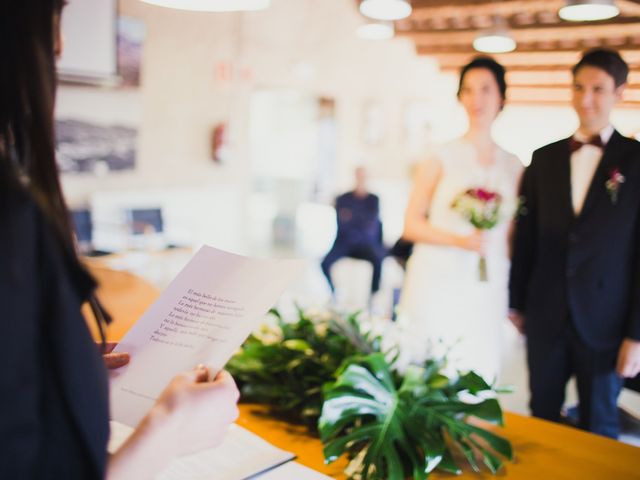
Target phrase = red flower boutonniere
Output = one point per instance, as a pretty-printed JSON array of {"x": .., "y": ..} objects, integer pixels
[{"x": 616, "y": 178}]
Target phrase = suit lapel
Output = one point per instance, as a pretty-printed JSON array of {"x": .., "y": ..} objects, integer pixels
[
  {"x": 597, "y": 189},
  {"x": 563, "y": 174}
]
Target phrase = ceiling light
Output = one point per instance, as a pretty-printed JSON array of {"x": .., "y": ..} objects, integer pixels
[
  {"x": 212, "y": 5},
  {"x": 496, "y": 39},
  {"x": 385, "y": 9},
  {"x": 494, "y": 43},
  {"x": 376, "y": 31},
  {"x": 588, "y": 10}
]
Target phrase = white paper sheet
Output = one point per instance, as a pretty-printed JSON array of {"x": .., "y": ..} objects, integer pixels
[
  {"x": 203, "y": 316},
  {"x": 241, "y": 455}
]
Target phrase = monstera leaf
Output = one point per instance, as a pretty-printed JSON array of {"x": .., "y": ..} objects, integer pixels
[{"x": 396, "y": 427}]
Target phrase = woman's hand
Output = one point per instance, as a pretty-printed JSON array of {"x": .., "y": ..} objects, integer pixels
[
  {"x": 476, "y": 242},
  {"x": 114, "y": 360},
  {"x": 191, "y": 414}
]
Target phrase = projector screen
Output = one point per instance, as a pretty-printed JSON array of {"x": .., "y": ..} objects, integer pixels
[{"x": 89, "y": 32}]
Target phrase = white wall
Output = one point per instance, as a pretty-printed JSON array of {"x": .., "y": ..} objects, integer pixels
[{"x": 307, "y": 46}]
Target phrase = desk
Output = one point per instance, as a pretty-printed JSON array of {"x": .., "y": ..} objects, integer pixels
[{"x": 544, "y": 450}]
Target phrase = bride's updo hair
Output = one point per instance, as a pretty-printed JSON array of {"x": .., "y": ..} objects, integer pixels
[{"x": 490, "y": 64}]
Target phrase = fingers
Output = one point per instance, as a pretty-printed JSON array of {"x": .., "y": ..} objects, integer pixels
[
  {"x": 202, "y": 373},
  {"x": 476, "y": 242},
  {"x": 628, "y": 364},
  {"x": 116, "y": 360},
  {"x": 199, "y": 374},
  {"x": 627, "y": 369},
  {"x": 109, "y": 346}
]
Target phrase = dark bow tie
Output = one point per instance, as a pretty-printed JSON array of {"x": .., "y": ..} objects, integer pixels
[{"x": 574, "y": 144}]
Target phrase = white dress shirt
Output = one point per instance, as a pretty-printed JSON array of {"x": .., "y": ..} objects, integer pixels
[{"x": 584, "y": 162}]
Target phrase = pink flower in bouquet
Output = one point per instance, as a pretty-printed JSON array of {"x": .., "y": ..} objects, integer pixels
[
  {"x": 485, "y": 195},
  {"x": 481, "y": 208}
]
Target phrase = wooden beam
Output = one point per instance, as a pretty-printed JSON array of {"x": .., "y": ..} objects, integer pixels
[
  {"x": 629, "y": 7},
  {"x": 535, "y": 61},
  {"x": 424, "y": 10},
  {"x": 547, "y": 94},
  {"x": 591, "y": 33},
  {"x": 561, "y": 103},
  {"x": 513, "y": 23},
  {"x": 579, "y": 46},
  {"x": 542, "y": 78}
]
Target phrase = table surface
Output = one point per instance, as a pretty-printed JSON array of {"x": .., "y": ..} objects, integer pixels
[{"x": 543, "y": 450}]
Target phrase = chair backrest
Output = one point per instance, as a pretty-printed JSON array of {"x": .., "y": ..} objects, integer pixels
[
  {"x": 83, "y": 228},
  {"x": 146, "y": 220}
]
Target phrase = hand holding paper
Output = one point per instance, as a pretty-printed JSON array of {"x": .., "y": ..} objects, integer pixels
[{"x": 203, "y": 316}]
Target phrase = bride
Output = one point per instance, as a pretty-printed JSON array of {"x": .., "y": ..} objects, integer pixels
[{"x": 445, "y": 307}]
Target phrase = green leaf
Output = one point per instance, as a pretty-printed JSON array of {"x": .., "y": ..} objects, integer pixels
[
  {"x": 469, "y": 453},
  {"x": 491, "y": 461},
  {"x": 473, "y": 382},
  {"x": 488, "y": 410},
  {"x": 499, "y": 444},
  {"x": 448, "y": 464},
  {"x": 298, "y": 345}
]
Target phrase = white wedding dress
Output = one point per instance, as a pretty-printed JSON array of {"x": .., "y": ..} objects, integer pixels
[{"x": 444, "y": 307}]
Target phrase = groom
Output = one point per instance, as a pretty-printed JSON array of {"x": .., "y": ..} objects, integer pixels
[{"x": 575, "y": 273}]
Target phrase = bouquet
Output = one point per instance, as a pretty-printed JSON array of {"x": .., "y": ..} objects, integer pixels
[{"x": 482, "y": 209}]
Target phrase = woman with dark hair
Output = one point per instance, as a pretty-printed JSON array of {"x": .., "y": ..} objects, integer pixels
[
  {"x": 53, "y": 394},
  {"x": 444, "y": 305}
]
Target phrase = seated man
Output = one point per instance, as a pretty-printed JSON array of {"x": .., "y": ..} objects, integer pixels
[{"x": 359, "y": 230}]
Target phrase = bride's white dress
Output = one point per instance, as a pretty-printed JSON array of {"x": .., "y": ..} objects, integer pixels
[{"x": 444, "y": 307}]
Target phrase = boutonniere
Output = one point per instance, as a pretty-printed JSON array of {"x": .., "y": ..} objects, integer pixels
[{"x": 616, "y": 178}]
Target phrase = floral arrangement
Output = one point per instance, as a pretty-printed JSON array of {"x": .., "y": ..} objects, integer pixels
[
  {"x": 325, "y": 370},
  {"x": 481, "y": 208},
  {"x": 616, "y": 179}
]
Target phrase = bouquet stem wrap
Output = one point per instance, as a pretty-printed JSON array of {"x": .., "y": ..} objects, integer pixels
[{"x": 482, "y": 269}]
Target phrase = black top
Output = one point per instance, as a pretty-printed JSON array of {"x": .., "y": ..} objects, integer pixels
[
  {"x": 53, "y": 388},
  {"x": 358, "y": 219}
]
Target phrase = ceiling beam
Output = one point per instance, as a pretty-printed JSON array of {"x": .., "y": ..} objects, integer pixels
[
  {"x": 526, "y": 93},
  {"x": 466, "y": 24},
  {"x": 591, "y": 33},
  {"x": 533, "y": 60},
  {"x": 542, "y": 78},
  {"x": 578, "y": 46},
  {"x": 426, "y": 9}
]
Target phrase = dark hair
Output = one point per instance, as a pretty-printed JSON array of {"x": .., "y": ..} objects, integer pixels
[
  {"x": 27, "y": 96},
  {"x": 490, "y": 64},
  {"x": 608, "y": 60}
]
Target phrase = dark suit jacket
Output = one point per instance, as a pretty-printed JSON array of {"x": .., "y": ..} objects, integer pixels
[
  {"x": 584, "y": 267},
  {"x": 53, "y": 388}
]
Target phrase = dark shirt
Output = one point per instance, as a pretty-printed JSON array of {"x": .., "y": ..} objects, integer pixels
[
  {"x": 53, "y": 394},
  {"x": 358, "y": 219}
]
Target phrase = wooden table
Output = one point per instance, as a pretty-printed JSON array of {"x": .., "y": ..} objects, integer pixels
[
  {"x": 544, "y": 450},
  {"x": 125, "y": 296}
]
